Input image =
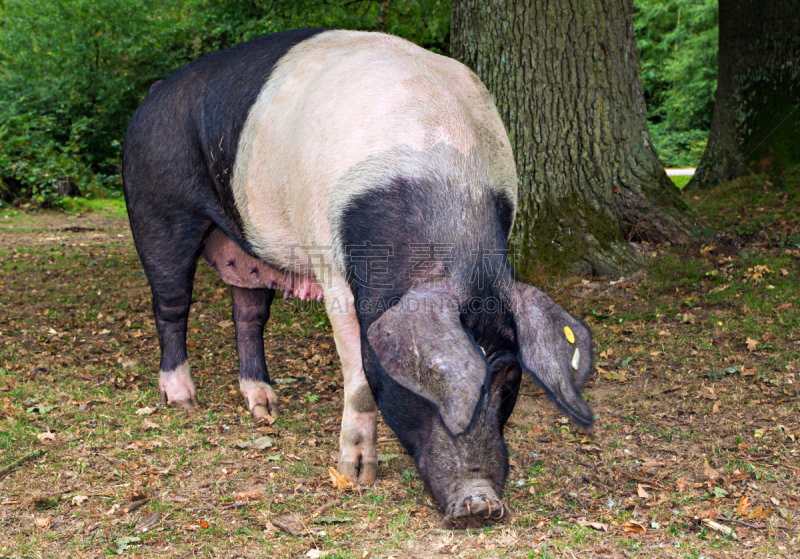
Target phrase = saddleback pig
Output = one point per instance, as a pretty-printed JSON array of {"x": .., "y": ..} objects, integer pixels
[{"x": 362, "y": 170}]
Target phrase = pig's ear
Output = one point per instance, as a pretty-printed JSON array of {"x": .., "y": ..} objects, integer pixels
[
  {"x": 422, "y": 345},
  {"x": 555, "y": 349}
]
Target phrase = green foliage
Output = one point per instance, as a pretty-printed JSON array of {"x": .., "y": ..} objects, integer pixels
[
  {"x": 678, "y": 44},
  {"x": 73, "y": 71},
  {"x": 681, "y": 181},
  {"x": 228, "y": 22}
]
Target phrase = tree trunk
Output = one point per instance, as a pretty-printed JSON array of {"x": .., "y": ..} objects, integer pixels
[
  {"x": 756, "y": 122},
  {"x": 383, "y": 15},
  {"x": 565, "y": 76}
]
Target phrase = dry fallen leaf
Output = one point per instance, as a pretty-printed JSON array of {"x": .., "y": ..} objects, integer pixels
[
  {"x": 759, "y": 513},
  {"x": 757, "y": 273},
  {"x": 338, "y": 480},
  {"x": 255, "y": 494},
  {"x": 203, "y": 524},
  {"x": 634, "y": 527},
  {"x": 268, "y": 419},
  {"x": 715, "y": 407},
  {"x": 708, "y": 471},
  {"x": 78, "y": 499},
  {"x": 48, "y": 436},
  {"x": 707, "y": 249},
  {"x": 752, "y": 345},
  {"x": 680, "y": 485},
  {"x": 720, "y": 288},
  {"x": 708, "y": 513},
  {"x": 717, "y": 526},
  {"x": 744, "y": 502},
  {"x": 144, "y": 411},
  {"x": 147, "y": 522},
  {"x": 44, "y": 522},
  {"x": 596, "y": 525},
  {"x": 149, "y": 425},
  {"x": 642, "y": 493}
]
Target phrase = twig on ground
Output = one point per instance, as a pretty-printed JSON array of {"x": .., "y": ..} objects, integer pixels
[
  {"x": 222, "y": 507},
  {"x": 286, "y": 527},
  {"x": 135, "y": 505},
  {"x": 554, "y": 513},
  {"x": 424, "y": 504},
  {"x": 233, "y": 505},
  {"x": 326, "y": 507},
  {"x": 576, "y": 499},
  {"x": 754, "y": 526},
  {"x": 16, "y": 463}
]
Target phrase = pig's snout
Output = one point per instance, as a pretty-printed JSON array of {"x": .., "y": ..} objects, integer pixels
[{"x": 476, "y": 502}]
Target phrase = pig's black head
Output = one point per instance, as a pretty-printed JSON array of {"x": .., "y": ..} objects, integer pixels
[
  {"x": 448, "y": 398},
  {"x": 444, "y": 340}
]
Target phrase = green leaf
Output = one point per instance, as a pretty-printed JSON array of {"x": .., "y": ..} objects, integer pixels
[
  {"x": 125, "y": 542},
  {"x": 40, "y": 409},
  {"x": 719, "y": 493},
  {"x": 626, "y": 361}
]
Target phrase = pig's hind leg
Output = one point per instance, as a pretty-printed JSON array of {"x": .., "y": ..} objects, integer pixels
[
  {"x": 169, "y": 250},
  {"x": 250, "y": 314}
]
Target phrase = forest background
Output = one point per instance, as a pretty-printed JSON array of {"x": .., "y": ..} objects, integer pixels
[{"x": 72, "y": 73}]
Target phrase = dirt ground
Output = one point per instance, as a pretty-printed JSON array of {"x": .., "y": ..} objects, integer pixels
[{"x": 694, "y": 452}]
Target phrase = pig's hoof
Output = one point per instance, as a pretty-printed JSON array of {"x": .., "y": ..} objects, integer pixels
[
  {"x": 476, "y": 509},
  {"x": 264, "y": 411},
  {"x": 364, "y": 472},
  {"x": 181, "y": 404},
  {"x": 260, "y": 399}
]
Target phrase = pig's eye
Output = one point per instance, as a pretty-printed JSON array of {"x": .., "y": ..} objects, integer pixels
[{"x": 510, "y": 373}]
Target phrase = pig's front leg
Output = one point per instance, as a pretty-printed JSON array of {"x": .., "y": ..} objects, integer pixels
[{"x": 358, "y": 458}]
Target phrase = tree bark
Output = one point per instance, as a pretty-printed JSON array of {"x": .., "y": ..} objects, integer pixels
[
  {"x": 383, "y": 15},
  {"x": 565, "y": 75},
  {"x": 756, "y": 122}
]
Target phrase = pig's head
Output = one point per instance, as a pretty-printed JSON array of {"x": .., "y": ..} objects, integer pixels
[{"x": 446, "y": 375}]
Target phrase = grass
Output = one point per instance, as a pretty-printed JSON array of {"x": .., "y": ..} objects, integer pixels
[
  {"x": 697, "y": 366},
  {"x": 681, "y": 180}
]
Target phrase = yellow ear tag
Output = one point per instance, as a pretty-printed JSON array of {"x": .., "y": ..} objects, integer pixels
[{"x": 570, "y": 336}]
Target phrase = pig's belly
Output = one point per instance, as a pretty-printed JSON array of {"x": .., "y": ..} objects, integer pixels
[{"x": 238, "y": 268}]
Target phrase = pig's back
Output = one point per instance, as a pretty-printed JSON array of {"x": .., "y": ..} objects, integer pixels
[
  {"x": 182, "y": 141},
  {"x": 345, "y": 112}
]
